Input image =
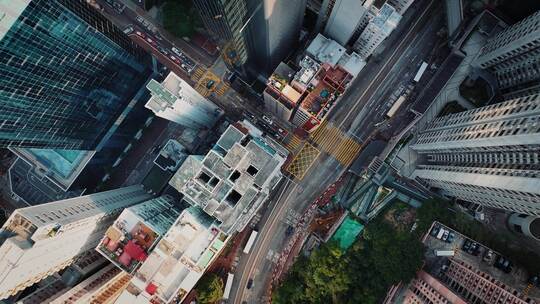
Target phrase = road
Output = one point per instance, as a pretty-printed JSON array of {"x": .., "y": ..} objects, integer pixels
[{"x": 295, "y": 197}]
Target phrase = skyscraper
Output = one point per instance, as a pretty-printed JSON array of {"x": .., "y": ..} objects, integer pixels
[
  {"x": 177, "y": 101},
  {"x": 489, "y": 156},
  {"x": 259, "y": 33},
  {"x": 41, "y": 240},
  {"x": 513, "y": 55},
  {"x": 66, "y": 74},
  {"x": 377, "y": 30},
  {"x": 344, "y": 18}
]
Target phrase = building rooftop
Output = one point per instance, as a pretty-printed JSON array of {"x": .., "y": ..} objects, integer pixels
[
  {"x": 176, "y": 100},
  {"x": 308, "y": 69},
  {"x": 325, "y": 50},
  {"x": 61, "y": 167},
  {"x": 179, "y": 260},
  {"x": 30, "y": 185},
  {"x": 325, "y": 89},
  {"x": 352, "y": 63},
  {"x": 233, "y": 180},
  {"x": 171, "y": 156},
  {"x": 132, "y": 236},
  {"x": 511, "y": 283},
  {"x": 387, "y": 19}
]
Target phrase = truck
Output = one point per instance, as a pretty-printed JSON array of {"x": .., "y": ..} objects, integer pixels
[
  {"x": 250, "y": 242},
  {"x": 228, "y": 286},
  {"x": 397, "y": 104},
  {"x": 420, "y": 72},
  {"x": 441, "y": 233},
  {"x": 444, "y": 253}
]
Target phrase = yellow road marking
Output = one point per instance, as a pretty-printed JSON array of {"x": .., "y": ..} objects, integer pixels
[
  {"x": 303, "y": 161},
  {"x": 334, "y": 142}
]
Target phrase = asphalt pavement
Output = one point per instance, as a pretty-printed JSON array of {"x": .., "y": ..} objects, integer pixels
[{"x": 295, "y": 197}]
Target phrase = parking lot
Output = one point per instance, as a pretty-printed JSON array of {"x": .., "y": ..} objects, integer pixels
[{"x": 477, "y": 255}]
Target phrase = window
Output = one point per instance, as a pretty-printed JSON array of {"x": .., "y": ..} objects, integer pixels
[
  {"x": 204, "y": 177},
  {"x": 233, "y": 197},
  {"x": 234, "y": 176},
  {"x": 252, "y": 170}
]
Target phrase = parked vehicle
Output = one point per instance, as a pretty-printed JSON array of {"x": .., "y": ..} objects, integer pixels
[
  {"x": 503, "y": 264},
  {"x": 250, "y": 283},
  {"x": 128, "y": 30},
  {"x": 466, "y": 245},
  {"x": 140, "y": 34},
  {"x": 267, "y": 120},
  {"x": 440, "y": 234},
  {"x": 444, "y": 253},
  {"x": 177, "y": 52},
  {"x": 445, "y": 235},
  {"x": 451, "y": 237},
  {"x": 488, "y": 256}
]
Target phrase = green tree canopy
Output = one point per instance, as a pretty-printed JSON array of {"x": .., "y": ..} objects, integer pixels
[
  {"x": 360, "y": 275},
  {"x": 209, "y": 289},
  {"x": 180, "y": 18}
]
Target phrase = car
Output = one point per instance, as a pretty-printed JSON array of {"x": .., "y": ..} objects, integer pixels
[
  {"x": 503, "y": 264},
  {"x": 434, "y": 231},
  {"x": 282, "y": 132},
  {"x": 466, "y": 245},
  {"x": 128, "y": 30},
  {"x": 451, "y": 237},
  {"x": 158, "y": 37},
  {"x": 152, "y": 42},
  {"x": 162, "y": 50},
  {"x": 249, "y": 284},
  {"x": 267, "y": 119},
  {"x": 210, "y": 84},
  {"x": 139, "y": 19},
  {"x": 249, "y": 115},
  {"x": 177, "y": 52},
  {"x": 140, "y": 34},
  {"x": 474, "y": 249},
  {"x": 445, "y": 235},
  {"x": 488, "y": 256},
  {"x": 173, "y": 58}
]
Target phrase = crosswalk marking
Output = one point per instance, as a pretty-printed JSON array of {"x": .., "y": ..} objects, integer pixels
[
  {"x": 336, "y": 143},
  {"x": 294, "y": 143}
]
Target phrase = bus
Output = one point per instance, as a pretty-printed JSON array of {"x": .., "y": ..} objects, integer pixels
[
  {"x": 228, "y": 286},
  {"x": 395, "y": 106},
  {"x": 250, "y": 242},
  {"x": 420, "y": 72}
]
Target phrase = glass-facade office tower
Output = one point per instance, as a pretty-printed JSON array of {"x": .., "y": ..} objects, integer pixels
[
  {"x": 261, "y": 33},
  {"x": 66, "y": 74}
]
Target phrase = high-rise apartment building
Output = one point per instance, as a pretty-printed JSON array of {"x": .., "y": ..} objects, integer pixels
[
  {"x": 234, "y": 179},
  {"x": 400, "y": 6},
  {"x": 41, "y": 240},
  {"x": 489, "y": 155},
  {"x": 177, "y": 101},
  {"x": 377, "y": 30},
  {"x": 259, "y": 33},
  {"x": 66, "y": 74},
  {"x": 225, "y": 188},
  {"x": 513, "y": 55}
]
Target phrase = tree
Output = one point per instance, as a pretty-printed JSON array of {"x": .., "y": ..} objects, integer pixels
[
  {"x": 180, "y": 18},
  {"x": 210, "y": 289}
]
